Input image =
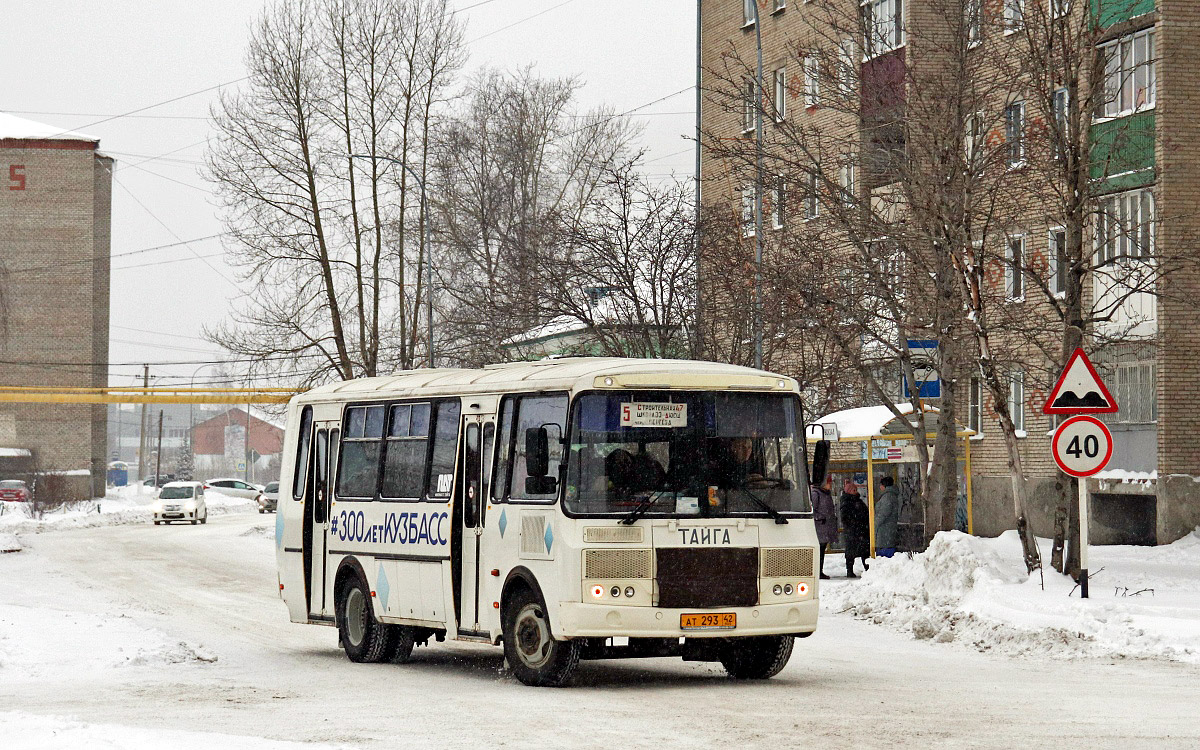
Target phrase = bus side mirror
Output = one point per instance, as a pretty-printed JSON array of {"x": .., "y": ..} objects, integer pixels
[
  {"x": 820, "y": 462},
  {"x": 537, "y": 452}
]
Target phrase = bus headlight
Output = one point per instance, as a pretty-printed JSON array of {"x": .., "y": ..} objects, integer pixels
[
  {"x": 616, "y": 591},
  {"x": 787, "y": 589},
  {"x": 802, "y": 589},
  {"x": 629, "y": 591},
  {"x": 598, "y": 591},
  {"x": 778, "y": 590}
]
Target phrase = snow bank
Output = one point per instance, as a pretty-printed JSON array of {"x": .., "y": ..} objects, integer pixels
[
  {"x": 9, "y": 543},
  {"x": 31, "y": 732},
  {"x": 1145, "y": 602},
  {"x": 123, "y": 505}
]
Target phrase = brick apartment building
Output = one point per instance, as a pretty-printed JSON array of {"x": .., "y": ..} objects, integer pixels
[
  {"x": 1152, "y": 491},
  {"x": 55, "y": 211}
]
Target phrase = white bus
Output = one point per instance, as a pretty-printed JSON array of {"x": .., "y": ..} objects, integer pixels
[{"x": 569, "y": 509}]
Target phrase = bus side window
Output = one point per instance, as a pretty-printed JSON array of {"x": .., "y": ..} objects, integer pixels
[
  {"x": 445, "y": 445},
  {"x": 302, "y": 441},
  {"x": 550, "y": 413},
  {"x": 503, "y": 450},
  {"x": 362, "y": 436}
]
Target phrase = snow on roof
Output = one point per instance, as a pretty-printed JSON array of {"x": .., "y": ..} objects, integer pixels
[
  {"x": 13, "y": 453},
  {"x": 554, "y": 327},
  {"x": 861, "y": 423},
  {"x": 22, "y": 129}
]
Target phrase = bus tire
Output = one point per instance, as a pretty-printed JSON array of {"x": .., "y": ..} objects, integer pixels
[
  {"x": 404, "y": 638},
  {"x": 364, "y": 639},
  {"x": 533, "y": 655},
  {"x": 757, "y": 657}
]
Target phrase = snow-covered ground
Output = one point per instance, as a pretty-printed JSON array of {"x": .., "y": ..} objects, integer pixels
[
  {"x": 122, "y": 505},
  {"x": 121, "y": 634},
  {"x": 1143, "y": 602}
]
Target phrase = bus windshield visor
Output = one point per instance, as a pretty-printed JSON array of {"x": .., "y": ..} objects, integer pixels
[
  {"x": 685, "y": 454},
  {"x": 175, "y": 493}
]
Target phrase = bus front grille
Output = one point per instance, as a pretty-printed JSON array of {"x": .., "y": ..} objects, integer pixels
[
  {"x": 786, "y": 562},
  {"x": 708, "y": 577},
  {"x": 616, "y": 563}
]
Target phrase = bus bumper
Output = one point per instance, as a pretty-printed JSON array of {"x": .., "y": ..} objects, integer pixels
[{"x": 579, "y": 620}]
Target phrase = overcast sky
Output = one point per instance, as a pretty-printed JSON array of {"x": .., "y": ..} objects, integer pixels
[{"x": 72, "y": 63}]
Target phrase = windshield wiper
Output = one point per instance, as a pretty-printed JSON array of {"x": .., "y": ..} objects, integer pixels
[
  {"x": 779, "y": 519},
  {"x": 643, "y": 506}
]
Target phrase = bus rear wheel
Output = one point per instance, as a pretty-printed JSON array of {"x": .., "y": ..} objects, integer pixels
[
  {"x": 757, "y": 657},
  {"x": 364, "y": 638},
  {"x": 533, "y": 655}
]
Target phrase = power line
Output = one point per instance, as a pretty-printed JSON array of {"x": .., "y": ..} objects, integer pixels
[
  {"x": 631, "y": 111},
  {"x": 156, "y": 104},
  {"x": 518, "y": 23},
  {"x": 100, "y": 114},
  {"x": 58, "y": 266}
]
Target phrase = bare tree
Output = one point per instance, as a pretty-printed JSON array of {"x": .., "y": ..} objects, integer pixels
[
  {"x": 512, "y": 163},
  {"x": 318, "y": 231}
]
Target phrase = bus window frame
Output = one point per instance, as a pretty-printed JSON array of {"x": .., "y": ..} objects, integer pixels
[
  {"x": 758, "y": 516},
  {"x": 434, "y": 407},
  {"x": 342, "y": 425},
  {"x": 303, "y": 448},
  {"x": 506, "y": 487},
  {"x": 387, "y": 440}
]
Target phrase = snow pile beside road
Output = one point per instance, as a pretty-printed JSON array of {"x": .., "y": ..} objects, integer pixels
[
  {"x": 260, "y": 530},
  {"x": 121, "y": 506},
  {"x": 1145, "y": 602},
  {"x": 41, "y": 642},
  {"x": 9, "y": 543},
  {"x": 32, "y": 732}
]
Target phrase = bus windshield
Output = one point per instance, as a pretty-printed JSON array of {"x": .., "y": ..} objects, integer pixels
[{"x": 685, "y": 454}]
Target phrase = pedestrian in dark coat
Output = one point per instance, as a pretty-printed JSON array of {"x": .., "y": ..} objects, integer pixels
[
  {"x": 887, "y": 518},
  {"x": 856, "y": 521},
  {"x": 825, "y": 517}
]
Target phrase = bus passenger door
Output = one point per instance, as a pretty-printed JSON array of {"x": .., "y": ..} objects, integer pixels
[
  {"x": 319, "y": 497},
  {"x": 475, "y": 460}
]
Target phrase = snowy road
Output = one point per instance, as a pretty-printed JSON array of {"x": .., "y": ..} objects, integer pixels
[{"x": 191, "y": 593}]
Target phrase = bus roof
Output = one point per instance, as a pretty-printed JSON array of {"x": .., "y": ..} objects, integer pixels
[{"x": 557, "y": 374}]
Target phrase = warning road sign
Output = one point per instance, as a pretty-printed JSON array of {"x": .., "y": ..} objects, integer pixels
[
  {"x": 1082, "y": 446},
  {"x": 1079, "y": 390}
]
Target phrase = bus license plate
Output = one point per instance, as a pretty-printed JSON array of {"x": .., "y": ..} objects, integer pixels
[{"x": 715, "y": 621}]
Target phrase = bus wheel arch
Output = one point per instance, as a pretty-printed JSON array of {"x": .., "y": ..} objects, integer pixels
[
  {"x": 533, "y": 655},
  {"x": 362, "y": 636}
]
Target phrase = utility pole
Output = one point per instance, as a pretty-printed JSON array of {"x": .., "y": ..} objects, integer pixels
[
  {"x": 697, "y": 320},
  {"x": 758, "y": 194},
  {"x": 142, "y": 430},
  {"x": 247, "y": 440},
  {"x": 158, "y": 453}
]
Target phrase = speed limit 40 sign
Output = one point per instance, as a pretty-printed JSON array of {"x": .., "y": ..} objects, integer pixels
[{"x": 1082, "y": 446}]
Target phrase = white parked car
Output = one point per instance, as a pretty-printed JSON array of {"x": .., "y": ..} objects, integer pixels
[
  {"x": 235, "y": 488},
  {"x": 269, "y": 500},
  {"x": 181, "y": 501}
]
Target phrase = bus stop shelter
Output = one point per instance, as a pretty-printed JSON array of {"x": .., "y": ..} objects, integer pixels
[{"x": 871, "y": 442}]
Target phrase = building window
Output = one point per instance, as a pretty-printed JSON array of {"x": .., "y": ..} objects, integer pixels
[
  {"x": 749, "y": 110},
  {"x": 778, "y": 5},
  {"x": 1125, "y": 227},
  {"x": 1130, "y": 75},
  {"x": 1014, "y": 264},
  {"x": 1014, "y": 16},
  {"x": 883, "y": 24},
  {"x": 975, "y": 406},
  {"x": 780, "y": 94},
  {"x": 812, "y": 206},
  {"x": 974, "y": 137},
  {"x": 973, "y": 10},
  {"x": 749, "y": 12},
  {"x": 1016, "y": 399},
  {"x": 846, "y": 179},
  {"x": 847, "y": 67},
  {"x": 1060, "y": 105},
  {"x": 748, "y": 211},
  {"x": 812, "y": 85},
  {"x": 1135, "y": 392},
  {"x": 778, "y": 198},
  {"x": 1060, "y": 8},
  {"x": 1059, "y": 265},
  {"x": 1014, "y": 133}
]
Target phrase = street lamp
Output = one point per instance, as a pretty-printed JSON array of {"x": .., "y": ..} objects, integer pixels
[
  {"x": 428, "y": 244},
  {"x": 758, "y": 193}
]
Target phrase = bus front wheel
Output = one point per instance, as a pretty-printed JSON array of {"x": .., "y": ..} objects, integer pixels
[
  {"x": 364, "y": 638},
  {"x": 757, "y": 657},
  {"x": 533, "y": 655}
]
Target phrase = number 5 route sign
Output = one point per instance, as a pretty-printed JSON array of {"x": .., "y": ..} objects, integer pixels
[{"x": 1082, "y": 446}]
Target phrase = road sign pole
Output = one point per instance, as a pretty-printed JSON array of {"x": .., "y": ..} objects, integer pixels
[{"x": 1083, "y": 537}]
